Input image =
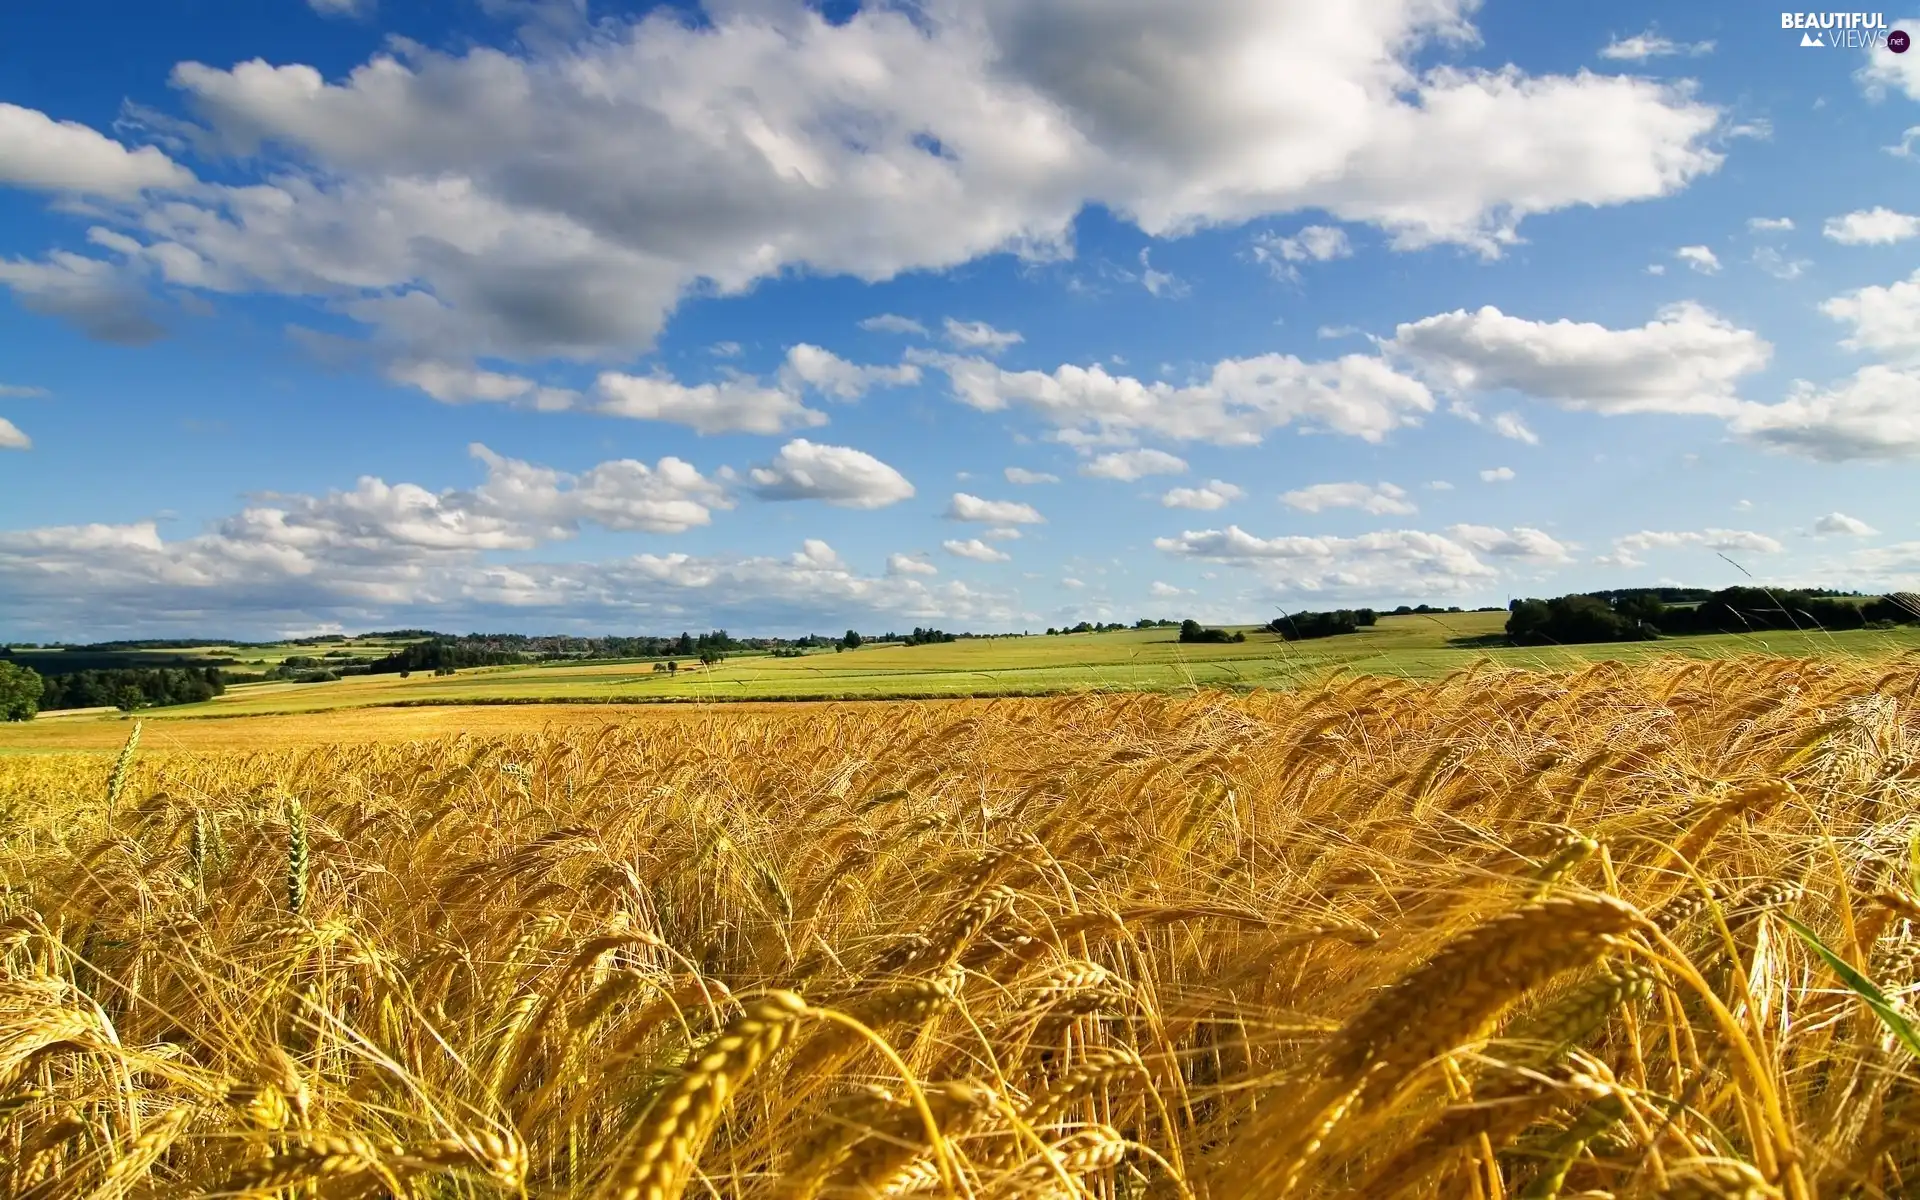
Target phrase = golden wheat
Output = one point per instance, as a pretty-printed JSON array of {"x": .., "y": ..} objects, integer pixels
[{"x": 1503, "y": 934}]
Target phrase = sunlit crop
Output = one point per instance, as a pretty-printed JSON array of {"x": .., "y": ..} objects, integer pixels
[{"x": 1635, "y": 931}]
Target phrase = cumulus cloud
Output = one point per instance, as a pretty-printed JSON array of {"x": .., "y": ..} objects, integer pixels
[
  {"x": 892, "y": 323},
  {"x": 1839, "y": 523},
  {"x": 341, "y": 8},
  {"x": 905, "y": 564},
  {"x": 11, "y": 438},
  {"x": 559, "y": 198},
  {"x": 1129, "y": 465},
  {"x": 1627, "y": 550},
  {"x": 832, "y": 375},
  {"x": 37, "y": 151},
  {"x": 1770, "y": 224},
  {"x": 735, "y": 405},
  {"x": 1214, "y": 494},
  {"x": 1389, "y": 559},
  {"x": 387, "y": 554},
  {"x": 95, "y": 295},
  {"x": 1700, "y": 258},
  {"x": 1023, "y": 476},
  {"x": 1510, "y": 425},
  {"x": 1496, "y": 475},
  {"x": 1872, "y": 414},
  {"x": 1885, "y": 70},
  {"x": 1687, "y": 360},
  {"x": 1378, "y": 498},
  {"x": 964, "y": 507},
  {"x": 1643, "y": 46},
  {"x": 1885, "y": 320},
  {"x": 838, "y": 475},
  {"x": 1239, "y": 403},
  {"x": 1877, "y": 226},
  {"x": 1164, "y": 591},
  {"x": 976, "y": 550},
  {"x": 1521, "y": 542},
  {"x": 978, "y": 335}
]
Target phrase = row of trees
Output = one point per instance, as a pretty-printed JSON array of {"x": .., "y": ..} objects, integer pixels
[
  {"x": 24, "y": 691},
  {"x": 1300, "y": 626},
  {"x": 1193, "y": 631},
  {"x": 1642, "y": 614}
]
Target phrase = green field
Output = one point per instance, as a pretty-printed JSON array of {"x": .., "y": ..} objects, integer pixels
[{"x": 1420, "y": 646}]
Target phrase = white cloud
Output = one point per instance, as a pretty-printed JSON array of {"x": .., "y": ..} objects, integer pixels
[
  {"x": 1700, "y": 258},
  {"x": 1885, "y": 69},
  {"x": 1841, "y": 523},
  {"x": 1873, "y": 414},
  {"x": 1070, "y": 582},
  {"x": 1164, "y": 591},
  {"x": 1381, "y": 499},
  {"x": 20, "y": 391},
  {"x": 729, "y": 406},
  {"x": 1371, "y": 562},
  {"x": 1002, "y": 533},
  {"x": 1905, "y": 147},
  {"x": 1770, "y": 224},
  {"x": 964, "y": 507},
  {"x": 976, "y": 550},
  {"x": 1656, "y": 268},
  {"x": 1878, "y": 226},
  {"x": 1238, "y": 404},
  {"x": 1023, "y": 476},
  {"x": 1885, "y": 320},
  {"x": 892, "y": 323},
  {"x": 560, "y": 197},
  {"x": 1779, "y": 265},
  {"x": 1642, "y": 46},
  {"x": 725, "y": 349},
  {"x": 978, "y": 335},
  {"x": 305, "y": 570},
  {"x": 341, "y": 8},
  {"x": 1439, "y": 485},
  {"x": 1496, "y": 475},
  {"x": 37, "y": 151},
  {"x": 1510, "y": 425},
  {"x": 1687, "y": 360},
  {"x": 11, "y": 438},
  {"x": 95, "y": 295},
  {"x": 1129, "y": 465},
  {"x": 1627, "y": 550},
  {"x": 1314, "y": 243},
  {"x": 834, "y": 376},
  {"x": 1214, "y": 494},
  {"x": 838, "y": 475},
  {"x": 1159, "y": 283},
  {"x": 456, "y": 383},
  {"x": 1521, "y": 542},
  {"x": 902, "y": 564}
]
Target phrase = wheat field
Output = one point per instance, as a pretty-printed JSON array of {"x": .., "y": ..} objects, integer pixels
[{"x": 1633, "y": 931}]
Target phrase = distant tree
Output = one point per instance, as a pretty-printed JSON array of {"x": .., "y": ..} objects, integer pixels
[
  {"x": 709, "y": 656},
  {"x": 851, "y": 641},
  {"x": 1193, "y": 631},
  {"x": 20, "y": 689}
]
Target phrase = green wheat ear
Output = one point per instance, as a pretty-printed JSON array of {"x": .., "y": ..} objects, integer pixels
[{"x": 297, "y": 862}]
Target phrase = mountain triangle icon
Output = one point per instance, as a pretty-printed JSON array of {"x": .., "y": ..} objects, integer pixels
[{"x": 1811, "y": 39}]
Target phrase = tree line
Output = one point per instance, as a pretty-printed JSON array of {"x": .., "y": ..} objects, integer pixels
[
  {"x": 24, "y": 691},
  {"x": 1642, "y": 614}
]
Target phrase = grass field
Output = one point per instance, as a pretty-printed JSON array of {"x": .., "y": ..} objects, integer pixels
[
  {"x": 1620, "y": 932},
  {"x": 1414, "y": 647}
]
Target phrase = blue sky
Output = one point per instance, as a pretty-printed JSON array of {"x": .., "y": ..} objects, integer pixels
[{"x": 991, "y": 314}]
